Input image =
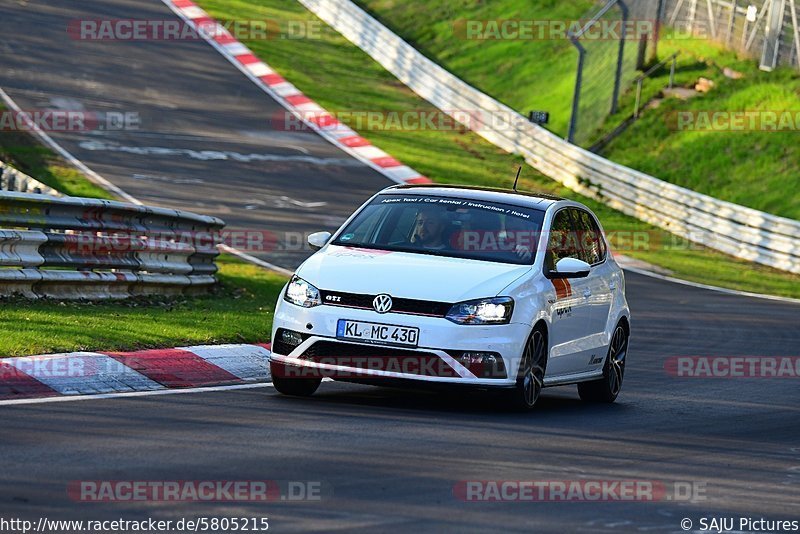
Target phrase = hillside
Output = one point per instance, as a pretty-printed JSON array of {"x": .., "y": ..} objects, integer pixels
[{"x": 754, "y": 168}]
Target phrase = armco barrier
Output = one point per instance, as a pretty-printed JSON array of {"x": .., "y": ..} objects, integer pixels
[
  {"x": 72, "y": 248},
  {"x": 736, "y": 230}
]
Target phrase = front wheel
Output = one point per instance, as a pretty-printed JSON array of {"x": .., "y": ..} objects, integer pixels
[
  {"x": 607, "y": 388},
  {"x": 288, "y": 385},
  {"x": 530, "y": 377}
]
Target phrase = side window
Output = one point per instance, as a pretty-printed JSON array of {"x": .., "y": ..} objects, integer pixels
[
  {"x": 590, "y": 238},
  {"x": 563, "y": 240}
]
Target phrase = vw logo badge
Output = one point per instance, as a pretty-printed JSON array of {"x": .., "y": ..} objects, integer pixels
[{"x": 382, "y": 303}]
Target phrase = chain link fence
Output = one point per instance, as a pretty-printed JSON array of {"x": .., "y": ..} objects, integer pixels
[
  {"x": 616, "y": 41},
  {"x": 619, "y": 39},
  {"x": 764, "y": 29}
]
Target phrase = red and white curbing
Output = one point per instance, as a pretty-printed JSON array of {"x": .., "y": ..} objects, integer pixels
[
  {"x": 306, "y": 110},
  {"x": 92, "y": 373}
]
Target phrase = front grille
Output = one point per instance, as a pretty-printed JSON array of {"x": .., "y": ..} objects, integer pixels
[
  {"x": 378, "y": 358},
  {"x": 399, "y": 305}
]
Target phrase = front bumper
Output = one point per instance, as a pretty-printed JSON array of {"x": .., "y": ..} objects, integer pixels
[{"x": 438, "y": 339}]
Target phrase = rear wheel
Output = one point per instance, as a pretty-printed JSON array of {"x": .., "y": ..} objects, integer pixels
[
  {"x": 530, "y": 377},
  {"x": 607, "y": 388},
  {"x": 287, "y": 384}
]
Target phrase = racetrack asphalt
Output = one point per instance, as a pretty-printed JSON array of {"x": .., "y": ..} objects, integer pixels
[
  {"x": 389, "y": 459},
  {"x": 207, "y": 140}
]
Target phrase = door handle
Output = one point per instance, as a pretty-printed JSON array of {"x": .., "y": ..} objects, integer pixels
[{"x": 587, "y": 293}]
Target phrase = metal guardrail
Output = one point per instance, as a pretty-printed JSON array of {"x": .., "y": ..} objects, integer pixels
[
  {"x": 71, "y": 248},
  {"x": 736, "y": 230}
]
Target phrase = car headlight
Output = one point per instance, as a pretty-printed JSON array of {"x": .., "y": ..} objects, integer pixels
[
  {"x": 302, "y": 293},
  {"x": 495, "y": 310}
]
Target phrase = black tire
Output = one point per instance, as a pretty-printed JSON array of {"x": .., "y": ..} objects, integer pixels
[
  {"x": 607, "y": 389},
  {"x": 530, "y": 375},
  {"x": 288, "y": 385}
]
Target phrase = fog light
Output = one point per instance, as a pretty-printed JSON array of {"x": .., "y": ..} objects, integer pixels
[
  {"x": 291, "y": 338},
  {"x": 468, "y": 358},
  {"x": 481, "y": 364}
]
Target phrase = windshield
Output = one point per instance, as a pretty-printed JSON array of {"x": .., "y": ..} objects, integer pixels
[{"x": 446, "y": 226}]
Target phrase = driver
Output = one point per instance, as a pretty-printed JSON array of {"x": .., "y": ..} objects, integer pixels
[
  {"x": 428, "y": 228},
  {"x": 515, "y": 233}
]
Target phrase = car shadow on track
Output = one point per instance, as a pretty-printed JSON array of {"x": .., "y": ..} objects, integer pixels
[{"x": 559, "y": 401}]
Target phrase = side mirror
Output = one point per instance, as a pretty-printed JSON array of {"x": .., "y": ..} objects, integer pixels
[
  {"x": 317, "y": 240},
  {"x": 570, "y": 268}
]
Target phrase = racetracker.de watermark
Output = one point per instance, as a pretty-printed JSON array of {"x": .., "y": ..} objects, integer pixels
[
  {"x": 734, "y": 121},
  {"x": 380, "y": 367},
  {"x": 733, "y": 366},
  {"x": 411, "y": 120},
  {"x": 261, "y": 240},
  {"x": 600, "y": 490},
  {"x": 50, "y": 120},
  {"x": 634, "y": 30},
  {"x": 552, "y": 29},
  {"x": 67, "y": 366},
  {"x": 96, "y": 29},
  {"x": 197, "y": 490}
]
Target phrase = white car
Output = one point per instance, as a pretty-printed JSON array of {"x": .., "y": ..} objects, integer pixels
[{"x": 463, "y": 286}]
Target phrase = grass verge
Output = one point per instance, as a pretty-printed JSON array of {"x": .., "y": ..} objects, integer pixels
[
  {"x": 758, "y": 169},
  {"x": 24, "y": 152},
  {"x": 239, "y": 311},
  {"x": 342, "y": 78}
]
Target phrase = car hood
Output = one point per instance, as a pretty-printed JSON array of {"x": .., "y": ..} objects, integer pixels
[{"x": 407, "y": 275}]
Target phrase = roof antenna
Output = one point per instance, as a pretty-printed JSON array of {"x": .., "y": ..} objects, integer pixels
[{"x": 519, "y": 170}]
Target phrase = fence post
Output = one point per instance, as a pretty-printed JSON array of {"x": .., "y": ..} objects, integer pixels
[
  {"x": 795, "y": 32},
  {"x": 692, "y": 15},
  {"x": 731, "y": 22},
  {"x": 672, "y": 70},
  {"x": 618, "y": 76},
  {"x": 638, "y": 98},
  {"x": 657, "y": 29},
  {"x": 711, "y": 22},
  {"x": 772, "y": 35},
  {"x": 577, "y": 95}
]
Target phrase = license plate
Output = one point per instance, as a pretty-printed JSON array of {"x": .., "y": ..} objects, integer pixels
[{"x": 377, "y": 333}]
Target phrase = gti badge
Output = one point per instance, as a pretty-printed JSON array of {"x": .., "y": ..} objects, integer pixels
[{"x": 382, "y": 303}]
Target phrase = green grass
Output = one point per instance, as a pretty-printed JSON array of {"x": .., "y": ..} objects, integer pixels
[
  {"x": 524, "y": 74},
  {"x": 341, "y": 77},
  {"x": 24, "y": 152},
  {"x": 756, "y": 169},
  {"x": 239, "y": 311}
]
